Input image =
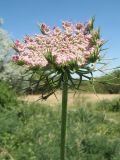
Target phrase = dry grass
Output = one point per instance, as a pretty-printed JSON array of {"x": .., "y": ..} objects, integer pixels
[{"x": 73, "y": 99}]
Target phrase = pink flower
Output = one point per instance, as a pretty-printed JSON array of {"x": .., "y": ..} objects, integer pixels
[
  {"x": 100, "y": 42},
  {"x": 17, "y": 43},
  {"x": 18, "y": 46},
  {"x": 15, "y": 58},
  {"x": 67, "y": 24},
  {"x": 44, "y": 29},
  {"x": 28, "y": 39},
  {"x": 68, "y": 27},
  {"x": 56, "y": 30},
  {"x": 78, "y": 27},
  {"x": 57, "y": 46},
  {"x": 88, "y": 24}
]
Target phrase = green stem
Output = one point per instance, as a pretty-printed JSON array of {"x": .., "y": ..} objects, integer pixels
[{"x": 64, "y": 115}]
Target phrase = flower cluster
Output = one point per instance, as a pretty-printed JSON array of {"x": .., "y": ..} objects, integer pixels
[{"x": 73, "y": 45}]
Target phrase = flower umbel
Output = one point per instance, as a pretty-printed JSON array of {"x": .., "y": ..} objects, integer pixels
[{"x": 73, "y": 46}]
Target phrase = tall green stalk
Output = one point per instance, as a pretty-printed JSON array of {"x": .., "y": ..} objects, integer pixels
[{"x": 64, "y": 115}]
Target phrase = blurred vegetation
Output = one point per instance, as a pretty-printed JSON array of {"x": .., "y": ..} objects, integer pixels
[
  {"x": 5, "y": 42},
  {"x": 31, "y": 131},
  {"x": 109, "y": 83},
  {"x": 8, "y": 96},
  {"x": 110, "y": 106},
  {"x": 8, "y": 72}
]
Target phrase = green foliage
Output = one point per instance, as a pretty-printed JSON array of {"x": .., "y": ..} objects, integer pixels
[
  {"x": 100, "y": 147},
  {"x": 105, "y": 84},
  {"x": 14, "y": 75},
  {"x": 27, "y": 132},
  {"x": 32, "y": 132},
  {"x": 7, "y": 96},
  {"x": 109, "y": 83},
  {"x": 113, "y": 106}
]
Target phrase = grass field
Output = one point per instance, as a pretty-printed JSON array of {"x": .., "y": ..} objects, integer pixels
[
  {"x": 30, "y": 130},
  {"x": 74, "y": 99}
]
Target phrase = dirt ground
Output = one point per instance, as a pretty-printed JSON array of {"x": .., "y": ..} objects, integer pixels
[{"x": 73, "y": 99}]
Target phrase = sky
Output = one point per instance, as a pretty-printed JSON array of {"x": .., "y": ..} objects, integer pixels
[{"x": 21, "y": 17}]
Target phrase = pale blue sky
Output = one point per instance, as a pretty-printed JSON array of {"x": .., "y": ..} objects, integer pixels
[{"x": 21, "y": 17}]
